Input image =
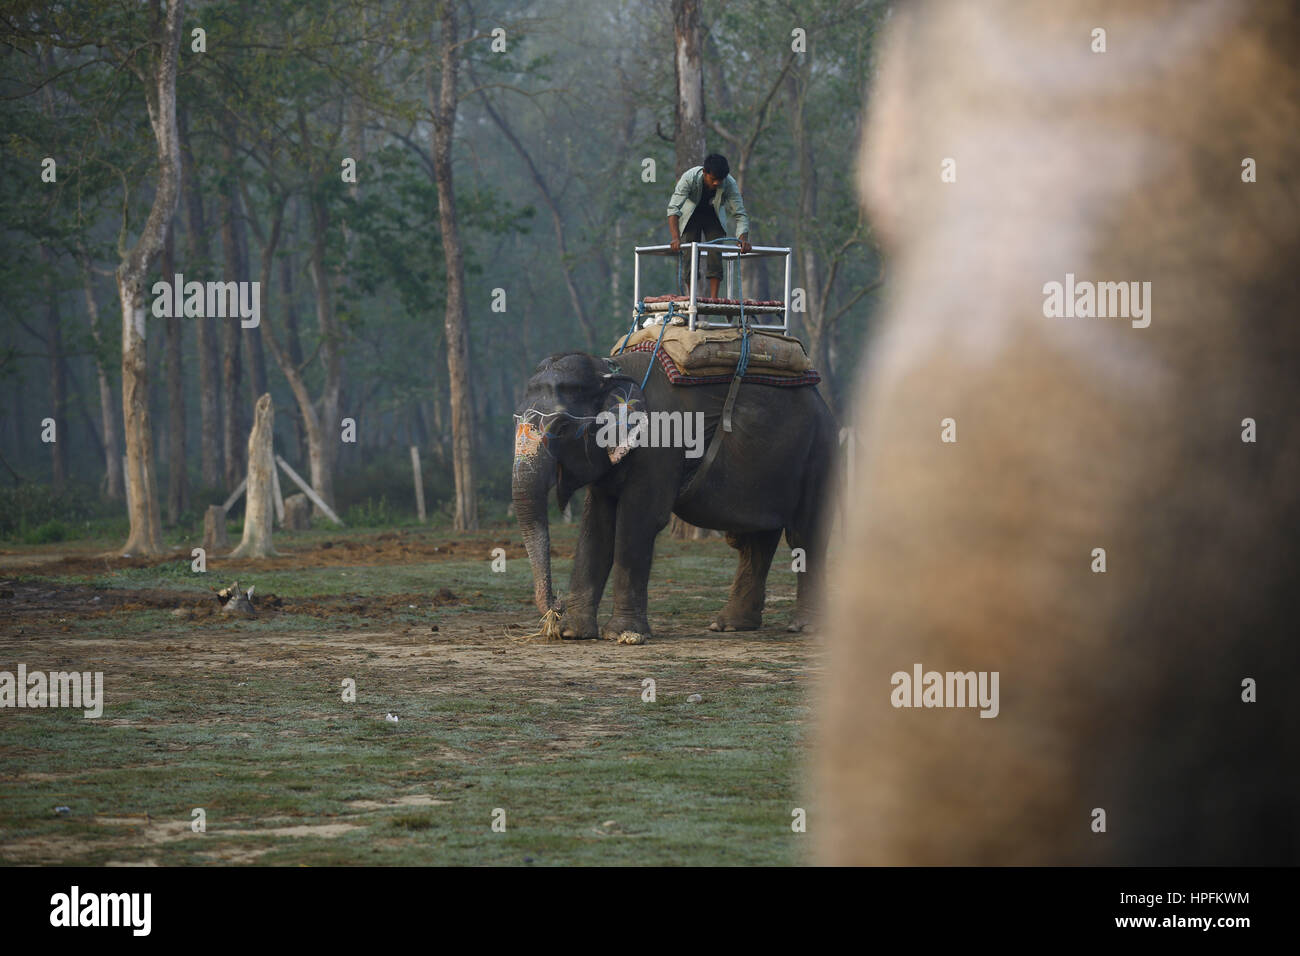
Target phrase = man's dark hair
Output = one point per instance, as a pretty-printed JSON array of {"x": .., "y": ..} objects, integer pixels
[{"x": 717, "y": 165}]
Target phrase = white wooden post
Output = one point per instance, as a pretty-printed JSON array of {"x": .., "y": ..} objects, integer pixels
[
  {"x": 307, "y": 490},
  {"x": 279, "y": 498},
  {"x": 234, "y": 495},
  {"x": 419, "y": 482}
]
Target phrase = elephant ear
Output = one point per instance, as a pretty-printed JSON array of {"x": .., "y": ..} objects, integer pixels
[{"x": 622, "y": 397}]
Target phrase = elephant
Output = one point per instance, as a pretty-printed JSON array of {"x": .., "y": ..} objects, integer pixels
[
  {"x": 1113, "y": 528},
  {"x": 771, "y": 475}
]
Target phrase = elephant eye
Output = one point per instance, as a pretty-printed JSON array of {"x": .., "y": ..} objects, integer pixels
[{"x": 569, "y": 394}]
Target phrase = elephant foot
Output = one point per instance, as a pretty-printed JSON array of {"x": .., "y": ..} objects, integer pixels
[
  {"x": 726, "y": 621},
  {"x": 626, "y": 632},
  {"x": 580, "y": 628},
  {"x": 802, "y": 622}
]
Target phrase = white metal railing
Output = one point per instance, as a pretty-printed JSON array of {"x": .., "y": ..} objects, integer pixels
[{"x": 731, "y": 256}]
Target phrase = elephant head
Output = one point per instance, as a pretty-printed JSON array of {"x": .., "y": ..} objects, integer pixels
[{"x": 555, "y": 444}]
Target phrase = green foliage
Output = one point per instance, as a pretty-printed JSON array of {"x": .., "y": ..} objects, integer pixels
[
  {"x": 373, "y": 513},
  {"x": 38, "y": 514},
  {"x": 383, "y": 486},
  {"x": 47, "y": 533},
  {"x": 285, "y": 91}
]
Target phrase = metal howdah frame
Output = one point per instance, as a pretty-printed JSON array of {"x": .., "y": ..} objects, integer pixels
[{"x": 731, "y": 256}]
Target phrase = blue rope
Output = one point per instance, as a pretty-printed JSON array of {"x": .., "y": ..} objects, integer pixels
[
  {"x": 636, "y": 319},
  {"x": 742, "y": 366},
  {"x": 668, "y": 320}
]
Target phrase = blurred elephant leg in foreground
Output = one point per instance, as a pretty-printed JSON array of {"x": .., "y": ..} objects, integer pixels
[{"x": 1084, "y": 439}]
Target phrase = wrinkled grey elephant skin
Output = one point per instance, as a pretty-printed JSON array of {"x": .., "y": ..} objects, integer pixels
[{"x": 1148, "y": 710}]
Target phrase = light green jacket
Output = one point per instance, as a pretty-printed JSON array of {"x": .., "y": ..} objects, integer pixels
[{"x": 726, "y": 197}]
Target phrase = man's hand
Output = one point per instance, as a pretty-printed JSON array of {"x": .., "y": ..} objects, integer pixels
[
  {"x": 675, "y": 244},
  {"x": 744, "y": 245}
]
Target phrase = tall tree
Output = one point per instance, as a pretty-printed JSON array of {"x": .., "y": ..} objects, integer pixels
[
  {"x": 211, "y": 451},
  {"x": 108, "y": 416},
  {"x": 822, "y": 248},
  {"x": 53, "y": 327},
  {"x": 689, "y": 127},
  {"x": 158, "y": 75},
  {"x": 689, "y": 69},
  {"x": 455, "y": 320},
  {"x": 58, "y": 378},
  {"x": 233, "y": 442},
  {"x": 178, "y": 485}
]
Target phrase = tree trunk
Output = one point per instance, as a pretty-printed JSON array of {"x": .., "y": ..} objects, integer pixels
[
  {"x": 323, "y": 437},
  {"x": 259, "y": 502},
  {"x": 231, "y": 340},
  {"x": 321, "y": 423},
  {"x": 455, "y": 319},
  {"x": 108, "y": 416},
  {"x": 689, "y": 116},
  {"x": 215, "y": 537},
  {"x": 142, "y": 496},
  {"x": 689, "y": 69},
  {"x": 232, "y": 411},
  {"x": 807, "y": 262},
  {"x": 297, "y": 513},
  {"x": 252, "y": 337},
  {"x": 178, "y": 486},
  {"x": 210, "y": 424},
  {"x": 619, "y": 310},
  {"x": 53, "y": 331},
  {"x": 58, "y": 380},
  {"x": 293, "y": 342},
  {"x": 79, "y": 397}
]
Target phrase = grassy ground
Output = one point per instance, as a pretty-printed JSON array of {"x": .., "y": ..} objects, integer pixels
[{"x": 244, "y": 718}]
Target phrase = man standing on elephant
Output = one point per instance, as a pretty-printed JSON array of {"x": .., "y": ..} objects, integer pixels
[{"x": 704, "y": 195}]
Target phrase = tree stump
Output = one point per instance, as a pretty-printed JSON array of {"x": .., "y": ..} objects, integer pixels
[
  {"x": 214, "y": 530},
  {"x": 297, "y": 513},
  {"x": 259, "y": 500}
]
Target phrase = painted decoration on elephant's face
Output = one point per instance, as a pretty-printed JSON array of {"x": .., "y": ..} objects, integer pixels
[{"x": 527, "y": 438}]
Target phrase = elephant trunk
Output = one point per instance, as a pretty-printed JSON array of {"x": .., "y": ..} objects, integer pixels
[{"x": 533, "y": 473}]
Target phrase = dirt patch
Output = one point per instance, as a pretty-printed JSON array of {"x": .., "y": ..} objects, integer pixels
[
  {"x": 42, "y": 850},
  {"x": 235, "y": 855},
  {"x": 448, "y": 676},
  {"x": 410, "y": 800},
  {"x": 328, "y": 830},
  {"x": 149, "y": 830},
  {"x": 74, "y": 602},
  {"x": 389, "y": 547}
]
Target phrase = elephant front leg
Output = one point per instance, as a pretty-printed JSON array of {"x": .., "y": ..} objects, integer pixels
[
  {"x": 744, "y": 607},
  {"x": 634, "y": 544},
  {"x": 591, "y": 564}
]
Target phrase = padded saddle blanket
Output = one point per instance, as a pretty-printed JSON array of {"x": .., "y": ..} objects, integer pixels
[{"x": 709, "y": 356}]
